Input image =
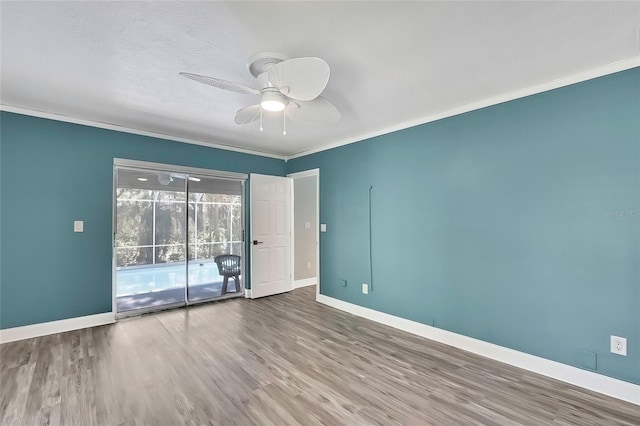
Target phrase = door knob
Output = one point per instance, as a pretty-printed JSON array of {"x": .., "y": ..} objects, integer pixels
[{"x": 256, "y": 242}]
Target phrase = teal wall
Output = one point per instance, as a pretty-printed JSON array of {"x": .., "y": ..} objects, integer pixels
[
  {"x": 517, "y": 224},
  {"x": 53, "y": 173}
]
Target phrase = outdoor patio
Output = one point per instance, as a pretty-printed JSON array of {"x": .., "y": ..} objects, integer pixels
[
  {"x": 174, "y": 295},
  {"x": 150, "y": 286}
]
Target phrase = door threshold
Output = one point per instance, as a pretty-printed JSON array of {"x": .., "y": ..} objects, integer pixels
[{"x": 217, "y": 299}]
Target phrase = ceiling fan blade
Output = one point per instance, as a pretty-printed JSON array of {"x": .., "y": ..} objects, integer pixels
[
  {"x": 221, "y": 84},
  {"x": 300, "y": 78},
  {"x": 318, "y": 110},
  {"x": 248, "y": 114}
]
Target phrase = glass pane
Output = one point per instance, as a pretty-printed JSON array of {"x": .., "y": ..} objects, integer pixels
[
  {"x": 170, "y": 220},
  {"x": 174, "y": 253},
  {"x": 133, "y": 256},
  {"x": 195, "y": 212},
  {"x": 216, "y": 198},
  {"x": 236, "y": 248},
  {"x": 205, "y": 251},
  {"x": 135, "y": 223},
  {"x": 236, "y": 224},
  {"x": 214, "y": 222},
  {"x": 134, "y": 194},
  {"x": 150, "y": 239}
]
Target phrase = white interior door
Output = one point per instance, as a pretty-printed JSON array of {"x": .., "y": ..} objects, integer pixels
[{"x": 271, "y": 237}]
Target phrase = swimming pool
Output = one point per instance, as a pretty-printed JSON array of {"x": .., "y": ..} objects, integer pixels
[{"x": 150, "y": 278}]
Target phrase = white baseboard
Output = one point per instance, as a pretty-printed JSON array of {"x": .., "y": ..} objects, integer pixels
[
  {"x": 586, "y": 379},
  {"x": 247, "y": 293},
  {"x": 305, "y": 282},
  {"x": 52, "y": 327}
]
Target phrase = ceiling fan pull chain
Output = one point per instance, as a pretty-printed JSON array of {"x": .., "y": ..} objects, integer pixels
[
  {"x": 260, "y": 119},
  {"x": 284, "y": 123}
]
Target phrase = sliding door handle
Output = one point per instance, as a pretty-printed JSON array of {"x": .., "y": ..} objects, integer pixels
[{"x": 256, "y": 242}]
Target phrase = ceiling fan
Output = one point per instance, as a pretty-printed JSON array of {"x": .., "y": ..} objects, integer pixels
[{"x": 292, "y": 86}]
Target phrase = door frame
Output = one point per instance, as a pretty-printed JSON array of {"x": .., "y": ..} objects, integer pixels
[
  {"x": 170, "y": 168},
  {"x": 294, "y": 176}
]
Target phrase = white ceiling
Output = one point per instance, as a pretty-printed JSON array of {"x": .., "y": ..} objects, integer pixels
[{"x": 391, "y": 62}]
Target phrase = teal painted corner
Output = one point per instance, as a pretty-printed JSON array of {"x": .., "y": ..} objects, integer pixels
[
  {"x": 517, "y": 224},
  {"x": 53, "y": 173}
]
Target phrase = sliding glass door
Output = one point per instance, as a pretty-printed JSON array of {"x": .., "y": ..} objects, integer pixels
[{"x": 169, "y": 229}]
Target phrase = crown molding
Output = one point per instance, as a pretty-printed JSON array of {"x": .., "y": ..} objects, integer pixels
[
  {"x": 123, "y": 129},
  {"x": 601, "y": 71}
]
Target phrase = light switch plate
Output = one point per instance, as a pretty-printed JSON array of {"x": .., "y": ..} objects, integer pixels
[
  {"x": 78, "y": 226},
  {"x": 323, "y": 227},
  {"x": 307, "y": 225}
]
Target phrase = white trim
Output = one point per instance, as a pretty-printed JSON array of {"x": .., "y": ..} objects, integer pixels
[
  {"x": 586, "y": 379},
  {"x": 114, "y": 228},
  {"x": 247, "y": 293},
  {"x": 308, "y": 173},
  {"x": 304, "y": 282},
  {"x": 123, "y": 129},
  {"x": 292, "y": 239},
  {"x": 52, "y": 327},
  {"x": 494, "y": 100},
  {"x": 172, "y": 168},
  {"x": 601, "y": 71},
  {"x": 318, "y": 231}
]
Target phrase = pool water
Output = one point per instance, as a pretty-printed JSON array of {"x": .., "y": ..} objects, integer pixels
[{"x": 147, "y": 279}]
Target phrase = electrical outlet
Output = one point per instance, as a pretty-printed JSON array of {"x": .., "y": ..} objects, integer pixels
[
  {"x": 365, "y": 288},
  {"x": 343, "y": 283},
  {"x": 308, "y": 265},
  {"x": 619, "y": 345}
]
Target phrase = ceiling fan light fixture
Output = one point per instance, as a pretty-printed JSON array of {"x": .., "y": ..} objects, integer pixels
[{"x": 272, "y": 101}]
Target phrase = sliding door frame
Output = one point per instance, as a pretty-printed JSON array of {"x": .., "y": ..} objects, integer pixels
[{"x": 121, "y": 163}]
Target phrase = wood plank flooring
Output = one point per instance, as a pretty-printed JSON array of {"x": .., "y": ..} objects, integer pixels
[{"x": 277, "y": 361}]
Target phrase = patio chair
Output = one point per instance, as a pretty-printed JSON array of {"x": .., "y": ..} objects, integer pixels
[{"x": 229, "y": 266}]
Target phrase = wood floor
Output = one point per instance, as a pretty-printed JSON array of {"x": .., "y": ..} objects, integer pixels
[{"x": 280, "y": 360}]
